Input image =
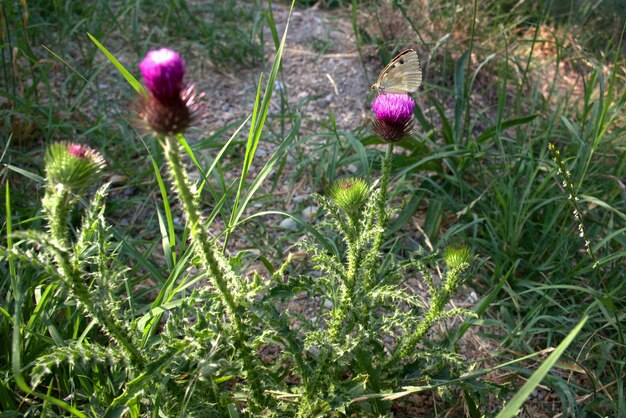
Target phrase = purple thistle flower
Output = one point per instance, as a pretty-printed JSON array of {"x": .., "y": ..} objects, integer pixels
[
  {"x": 171, "y": 105},
  {"x": 163, "y": 71},
  {"x": 393, "y": 116}
]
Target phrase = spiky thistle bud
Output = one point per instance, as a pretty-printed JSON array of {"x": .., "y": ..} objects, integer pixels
[
  {"x": 171, "y": 105},
  {"x": 393, "y": 116},
  {"x": 457, "y": 256},
  {"x": 75, "y": 166},
  {"x": 350, "y": 194}
]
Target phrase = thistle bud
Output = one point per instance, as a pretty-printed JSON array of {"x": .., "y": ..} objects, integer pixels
[
  {"x": 75, "y": 166},
  {"x": 350, "y": 194},
  {"x": 393, "y": 116},
  {"x": 457, "y": 256}
]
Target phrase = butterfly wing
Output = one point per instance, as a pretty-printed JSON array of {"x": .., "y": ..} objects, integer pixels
[{"x": 402, "y": 75}]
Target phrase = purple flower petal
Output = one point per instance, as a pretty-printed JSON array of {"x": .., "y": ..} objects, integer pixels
[
  {"x": 393, "y": 108},
  {"x": 78, "y": 150},
  {"x": 163, "y": 71},
  {"x": 393, "y": 116}
]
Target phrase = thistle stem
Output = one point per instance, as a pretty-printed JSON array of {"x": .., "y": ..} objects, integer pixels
[
  {"x": 381, "y": 206},
  {"x": 218, "y": 267},
  {"x": 57, "y": 203},
  {"x": 382, "y": 197},
  {"x": 355, "y": 259}
]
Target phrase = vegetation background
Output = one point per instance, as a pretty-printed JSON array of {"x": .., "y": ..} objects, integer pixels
[{"x": 502, "y": 80}]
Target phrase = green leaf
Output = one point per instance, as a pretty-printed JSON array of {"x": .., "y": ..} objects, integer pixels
[
  {"x": 490, "y": 132},
  {"x": 128, "y": 76},
  {"x": 513, "y": 406}
]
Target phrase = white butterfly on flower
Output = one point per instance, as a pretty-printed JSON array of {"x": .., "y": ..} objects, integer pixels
[{"x": 402, "y": 75}]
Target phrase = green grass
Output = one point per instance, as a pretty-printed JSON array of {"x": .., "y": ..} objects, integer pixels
[{"x": 478, "y": 171}]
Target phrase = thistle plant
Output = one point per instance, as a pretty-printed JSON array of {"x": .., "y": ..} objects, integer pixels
[
  {"x": 72, "y": 168},
  {"x": 393, "y": 121},
  {"x": 204, "y": 358},
  {"x": 367, "y": 335},
  {"x": 87, "y": 263},
  {"x": 168, "y": 110}
]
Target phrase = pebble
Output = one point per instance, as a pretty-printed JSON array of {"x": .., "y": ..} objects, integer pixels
[
  {"x": 260, "y": 152},
  {"x": 314, "y": 351},
  {"x": 309, "y": 212},
  {"x": 300, "y": 198},
  {"x": 288, "y": 223}
]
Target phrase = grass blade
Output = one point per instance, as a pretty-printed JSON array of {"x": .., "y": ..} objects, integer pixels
[{"x": 512, "y": 408}]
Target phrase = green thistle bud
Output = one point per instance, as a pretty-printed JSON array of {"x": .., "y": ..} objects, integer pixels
[
  {"x": 75, "y": 166},
  {"x": 457, "y": 256},
  {"x": 350, "y": 194}
]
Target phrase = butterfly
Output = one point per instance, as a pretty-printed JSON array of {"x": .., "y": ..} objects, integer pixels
[{"x": 402, "y": 75}]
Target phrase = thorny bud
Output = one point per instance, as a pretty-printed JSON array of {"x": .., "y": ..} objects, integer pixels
[
  {"x": 456, "y": 256},
  {"x": 75, "y": 166},
  {"x": 350, "y": 194}
]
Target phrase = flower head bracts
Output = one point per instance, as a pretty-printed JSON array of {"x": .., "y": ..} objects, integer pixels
[
  {"x": 350, "y": 194},
  {"x": 75, "y": 166}
]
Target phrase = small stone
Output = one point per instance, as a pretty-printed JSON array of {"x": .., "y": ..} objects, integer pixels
[
  {"x": 260, "y": 152},
  {"x": 314, "y": 351},
  {"x": 288, "y": 223},
  {"x": 309, "y": 212},
  {"x": 300, "y": 198},
  {"x": 328, "y": 304}
]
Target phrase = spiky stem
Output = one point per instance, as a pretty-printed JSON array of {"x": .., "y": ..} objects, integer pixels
[
  {"x": 355, "y": 259},
  {"x": 57, "y": 204},
  {"x": 382, "y": 197},
  {"x": 218, "y": 267}
]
